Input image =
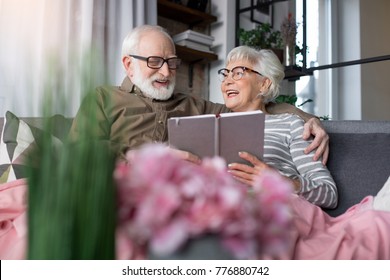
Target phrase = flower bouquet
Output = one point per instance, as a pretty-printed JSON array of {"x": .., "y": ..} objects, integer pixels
[
  {"x": 165, "y": 202},
  {"x": 289, "y": 31}
]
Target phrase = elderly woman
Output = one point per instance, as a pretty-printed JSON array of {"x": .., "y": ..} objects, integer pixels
[{"x": 250, "y": 80}]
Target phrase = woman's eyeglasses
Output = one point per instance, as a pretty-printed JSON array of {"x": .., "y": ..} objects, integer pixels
[
  {"x": 156, "y": 62},
  {"x": 237, "y": 73}
]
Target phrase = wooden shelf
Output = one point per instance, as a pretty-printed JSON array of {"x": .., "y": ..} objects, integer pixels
[
  {"x": 194, "y": 56},
  {"x": 184, "y": 14},
  {"x": 190, "y": 17}
]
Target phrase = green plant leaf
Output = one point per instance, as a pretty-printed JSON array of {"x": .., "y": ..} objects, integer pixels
[
  {"x": 261, "y": 37},
  {"x": 290, "y": 99}
]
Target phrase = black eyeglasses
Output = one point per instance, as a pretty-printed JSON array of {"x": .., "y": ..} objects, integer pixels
[
  {"x": 237, "y": 73},
  {"x": 156, "y": 62}
]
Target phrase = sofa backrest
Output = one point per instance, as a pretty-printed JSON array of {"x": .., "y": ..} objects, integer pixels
[{"x": 359, "y": 159}]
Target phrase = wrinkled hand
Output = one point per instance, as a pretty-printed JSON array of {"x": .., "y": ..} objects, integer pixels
[
  {"x": 187, "y": 156},
  {"x": 245, "y": 173},
  {"x": 130, "y": 154},
  {"x": 321, "y": 139}
]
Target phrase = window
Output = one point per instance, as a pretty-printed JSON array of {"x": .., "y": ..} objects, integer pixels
[{"x": 317, "y": 87}]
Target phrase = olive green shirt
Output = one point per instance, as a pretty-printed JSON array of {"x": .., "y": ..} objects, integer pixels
[{"x": 127, "y": 119}]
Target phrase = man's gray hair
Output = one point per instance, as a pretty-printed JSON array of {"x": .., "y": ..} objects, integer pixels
[{"x": 131, "y": 42}]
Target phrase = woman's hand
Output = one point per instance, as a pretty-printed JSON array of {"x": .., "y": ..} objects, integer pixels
[
  {"x": 245, "y": 173},
  {"x": 321, "y": 139}
]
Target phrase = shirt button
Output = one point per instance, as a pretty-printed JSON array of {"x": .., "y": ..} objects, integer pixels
[{"x": 160, "y": 122}]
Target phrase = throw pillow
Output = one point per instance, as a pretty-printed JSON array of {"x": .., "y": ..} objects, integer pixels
[{"x": 17, "y": 140}]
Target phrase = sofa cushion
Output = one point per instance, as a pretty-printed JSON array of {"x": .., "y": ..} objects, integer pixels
[
  {"x": 17, "y": 139},
  {"x": 359, "y": 160}
]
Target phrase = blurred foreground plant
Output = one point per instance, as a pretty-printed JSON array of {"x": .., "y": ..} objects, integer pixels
[
  {"x": 71, "y": 195},
  {"x": 71, "y": 202}
]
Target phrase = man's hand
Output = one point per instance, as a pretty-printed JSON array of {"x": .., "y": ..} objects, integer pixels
[
  {"x": 181, "y": 154},
  {"x": 314, "y": 127},
  {"x": 187, "y": 156}
]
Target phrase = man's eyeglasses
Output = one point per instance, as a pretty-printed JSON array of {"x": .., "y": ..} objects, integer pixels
[
  {"x": 156, "y": 62},
  {"x": 237, "y": 73}
]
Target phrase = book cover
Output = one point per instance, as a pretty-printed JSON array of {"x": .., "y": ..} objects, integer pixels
[{"x": 222, "y": 135}]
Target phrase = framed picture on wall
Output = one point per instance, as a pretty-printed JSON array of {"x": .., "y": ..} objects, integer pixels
[{"x": 262, "y": 13}]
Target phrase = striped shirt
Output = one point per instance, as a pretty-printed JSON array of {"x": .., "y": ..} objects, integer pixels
[{"x": 283, "y": 150}]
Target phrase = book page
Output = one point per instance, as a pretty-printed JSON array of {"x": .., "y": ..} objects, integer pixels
[{"x": 241, "y": 132}]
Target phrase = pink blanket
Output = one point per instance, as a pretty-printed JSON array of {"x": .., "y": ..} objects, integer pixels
[
  {"x": 13, "y": 220},
  {"x": 360, "y": 233}
]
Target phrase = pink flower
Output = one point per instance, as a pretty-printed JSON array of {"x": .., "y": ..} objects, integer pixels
[
  {"x": 169, "y": 238},
  {"x": 164, "y": 202}
]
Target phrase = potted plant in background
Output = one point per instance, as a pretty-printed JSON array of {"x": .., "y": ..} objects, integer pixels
[
  {"x": 282, "y": 43},
  {"x": 263, "y": 37}
]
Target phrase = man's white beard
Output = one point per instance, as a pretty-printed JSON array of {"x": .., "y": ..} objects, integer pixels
[{"x": 146, "y": 85}]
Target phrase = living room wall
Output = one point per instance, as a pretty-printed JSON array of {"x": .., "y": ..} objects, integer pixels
[
  {"x": 364, "y": 90},
  {"x": 375, "y": 40}
]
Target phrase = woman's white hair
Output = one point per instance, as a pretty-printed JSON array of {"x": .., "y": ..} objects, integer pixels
[
  {"x": 131, "y": 42},
  {"x": 265, "y": 62}
]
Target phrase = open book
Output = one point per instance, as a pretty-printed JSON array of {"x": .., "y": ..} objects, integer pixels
[{"x": 223, "y": 135}]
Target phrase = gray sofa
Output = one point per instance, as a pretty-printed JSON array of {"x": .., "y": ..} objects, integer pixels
[{"x": 359, "y": 160}]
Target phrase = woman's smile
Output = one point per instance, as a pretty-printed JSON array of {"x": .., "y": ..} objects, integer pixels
[{"x": 232, "y": 93}]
